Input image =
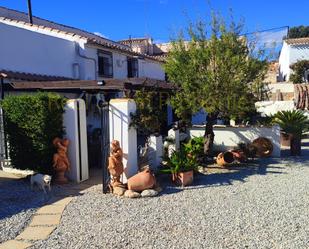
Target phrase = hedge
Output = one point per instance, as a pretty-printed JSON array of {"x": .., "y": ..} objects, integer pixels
[{"x": 31, "y": 122}]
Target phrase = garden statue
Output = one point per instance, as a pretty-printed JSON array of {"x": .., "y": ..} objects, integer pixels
[
  {"x": 61, "y": 162},
  {"x": 115, "y": 165}
]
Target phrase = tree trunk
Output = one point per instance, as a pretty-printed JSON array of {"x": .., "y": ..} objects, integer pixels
[
  {"x": 209, "y": 135},
  {"x": 295, "y": 147}
]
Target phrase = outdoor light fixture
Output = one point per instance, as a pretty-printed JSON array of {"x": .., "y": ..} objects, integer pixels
[{"x": 101, "y": 83}]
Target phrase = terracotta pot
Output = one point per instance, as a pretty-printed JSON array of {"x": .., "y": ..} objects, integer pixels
[
  {"x": 141, "y": 181},
  {"x": 60, "y": 175},
  {"x": 263, "y": 146},
  {"x": 285, "y": 139},
  {"x": 225, "y": 158},
  {"x": 239, "y": 156},
  {"x": 184, "y": 178}
]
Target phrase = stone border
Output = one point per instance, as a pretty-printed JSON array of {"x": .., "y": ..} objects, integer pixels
[{"x": 43, "y": 223}]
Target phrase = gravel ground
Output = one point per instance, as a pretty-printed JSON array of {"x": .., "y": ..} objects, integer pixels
[
  {"x": 17, "y": 204},
  {"x": 255, "y": 207}
]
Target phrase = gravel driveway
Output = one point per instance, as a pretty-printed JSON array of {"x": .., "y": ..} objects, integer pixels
[
  {"x": 17, "y": 204},
  {"x": 256, "y": 207}
]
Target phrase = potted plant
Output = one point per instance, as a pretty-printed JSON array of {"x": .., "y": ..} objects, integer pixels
[
  {"x": 294, "y": 123},
  {"x": 195, "y": 148},
  {"x": 181, "y": 167}
]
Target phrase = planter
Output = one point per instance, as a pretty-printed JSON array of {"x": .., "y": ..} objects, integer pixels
[
  {"x": 183, "y": 178},
  {"x": 264, "y": 147},
  {"x": 60, "y": 175},
  {"x": 285, "y": 139},
  {"x": 141, "y": 181},
  {"x": 223, "y": 159}
]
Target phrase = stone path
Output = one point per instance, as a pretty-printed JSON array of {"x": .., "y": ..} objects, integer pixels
[
  {"x": 42, "y": 225},
  {"x": 46, "y": 218}
]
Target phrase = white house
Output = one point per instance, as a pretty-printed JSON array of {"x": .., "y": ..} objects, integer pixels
[
  {"x": 293, "y": 50},
  {"x": 51, "y": 49}
]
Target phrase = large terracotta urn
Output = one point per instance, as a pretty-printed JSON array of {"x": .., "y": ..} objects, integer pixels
[
  {"x": 183, "y": 178},
  {"x": 141, "y": 181},
  {"x": 224, "y": 159}
]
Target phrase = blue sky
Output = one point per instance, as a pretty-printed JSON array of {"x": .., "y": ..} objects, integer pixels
[{"x": 118, "y": 19}]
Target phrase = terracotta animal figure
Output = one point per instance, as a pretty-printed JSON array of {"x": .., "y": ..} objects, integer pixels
[
  {"x": 61, "y": 162},
  {"x": 115, "y": 165}
]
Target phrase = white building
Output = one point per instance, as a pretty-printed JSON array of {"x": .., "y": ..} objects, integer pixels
[
  {"x": 51, "y": 49},
  {"x": 293, "y": 50}
]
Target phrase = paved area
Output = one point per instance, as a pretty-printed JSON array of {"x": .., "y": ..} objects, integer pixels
[{"x": 46, "y": 218}]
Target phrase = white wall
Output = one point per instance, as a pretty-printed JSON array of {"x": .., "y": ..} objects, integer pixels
[
  {"x": 284, "y": 62},
  {"x": 290, "y": 54},
  {"x": 27, "y": 51},
  {"x": 268, "y": 108},
  {"x": 37, "y": 51},
  {"x": 229, "y": 137},
  {"x": 150, "y": 69}
]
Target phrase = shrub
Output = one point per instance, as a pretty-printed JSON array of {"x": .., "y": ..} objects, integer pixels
[
  {"x": 31, "y": 122},
  {"x": 292, "y": 122},
  {"x": 195, "y": 147},
  {"x": 150, "y": 115},
  {"x": 299, "y": 68}
]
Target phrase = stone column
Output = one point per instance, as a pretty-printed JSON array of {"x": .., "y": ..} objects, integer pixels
[{"x": 119, "y": 122}]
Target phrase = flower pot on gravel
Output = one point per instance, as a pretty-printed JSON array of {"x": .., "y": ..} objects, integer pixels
[
  {"x": 183, "y": 178},
  {"x": 285, "y": 139},
  {"x": 264, "y": 147},
  {"x": 225, "y": 158},
  {"x": 141, "y": 181}
]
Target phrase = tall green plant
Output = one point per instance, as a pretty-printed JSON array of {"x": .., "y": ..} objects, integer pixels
[
  {"x": 292, "y": 122},
  {"x": 299, "y": 68},
  {"x": 149, "y": 115},
  {"x": 215, "y": 70},
  {"x": 32, "y": 121}
]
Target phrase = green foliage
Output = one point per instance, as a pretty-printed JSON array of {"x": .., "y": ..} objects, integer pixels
[
  {"x": 292, "y": 122},
  {"x": 180, "y": 162},
  {"x": 149, "y": 115},
  {"x": 299, "y": 69},
  {"x": 195, "y": 147},
  {"x": 299, "y": 32},
  {"x": 214, "y": 70},
  {"x": 32, "y": 121}
]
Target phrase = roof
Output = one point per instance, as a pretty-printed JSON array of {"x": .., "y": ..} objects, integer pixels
[
  {"x": 21, "y": 18},
  {"x": 134, "y": 40},
  {"x": 30, "y": 76},
  {"x": 107, "y": 84},
  {"x": 297, "y": 41}
]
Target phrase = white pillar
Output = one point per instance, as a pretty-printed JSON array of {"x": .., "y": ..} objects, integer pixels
[
  {"x": 119, "y": 122},
  {"x": 155, "y": 142}
]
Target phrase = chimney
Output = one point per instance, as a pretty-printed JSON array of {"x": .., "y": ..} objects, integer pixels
[{"x": 30, "y": 12}]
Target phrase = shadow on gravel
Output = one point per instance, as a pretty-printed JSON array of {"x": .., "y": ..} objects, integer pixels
[
  {"x": 217, "y": 176},
  {"x": 16, "y": 195}
]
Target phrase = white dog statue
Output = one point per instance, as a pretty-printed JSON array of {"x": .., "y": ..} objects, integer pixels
[{"x": 41, "y": 180}]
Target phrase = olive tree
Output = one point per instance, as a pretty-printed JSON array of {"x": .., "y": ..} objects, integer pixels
[{"x": 215, "y": 69}]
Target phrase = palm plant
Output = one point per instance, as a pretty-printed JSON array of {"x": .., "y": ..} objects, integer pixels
[{"x": 294, "y": 123}]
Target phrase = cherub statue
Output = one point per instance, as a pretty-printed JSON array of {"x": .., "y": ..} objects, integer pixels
[
  {"x": 61, "y": 162},
  {"x": 115, "y": 165}
]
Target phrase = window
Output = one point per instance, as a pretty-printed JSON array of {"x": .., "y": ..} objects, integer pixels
[
  {"x": 105, "y": 62},
  {"x": 132, "y": 67}
]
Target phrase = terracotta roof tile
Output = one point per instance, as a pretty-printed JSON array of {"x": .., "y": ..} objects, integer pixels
[
  {"x": 22, "y": 18},
  {"x": 30, "y": 76},
  {"x": 297, "y": 41}
]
